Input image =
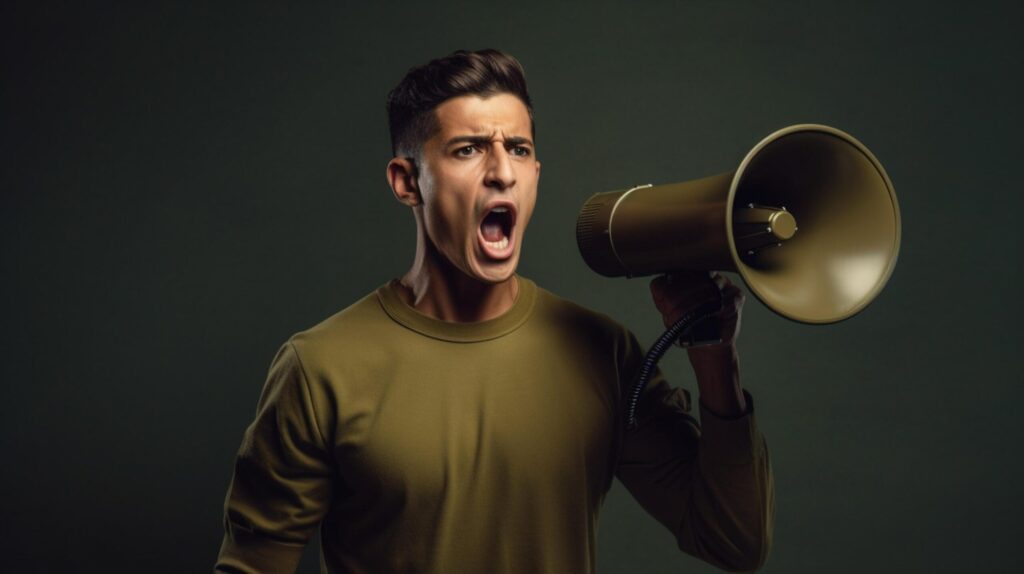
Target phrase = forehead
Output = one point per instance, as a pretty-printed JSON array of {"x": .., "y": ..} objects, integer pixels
[{"x": 503, "y": 114}]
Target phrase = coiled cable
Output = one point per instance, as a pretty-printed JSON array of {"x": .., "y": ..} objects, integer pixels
[{"x": 658, "y": 349}]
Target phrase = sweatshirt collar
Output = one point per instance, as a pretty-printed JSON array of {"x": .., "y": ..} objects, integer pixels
[{"x": 395, "y": 306}]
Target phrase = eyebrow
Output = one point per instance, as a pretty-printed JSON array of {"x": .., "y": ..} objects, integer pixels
[{"x": 481, "y": 140}]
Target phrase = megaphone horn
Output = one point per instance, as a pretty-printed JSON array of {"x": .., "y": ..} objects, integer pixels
[{"x": 809, "y": 220}]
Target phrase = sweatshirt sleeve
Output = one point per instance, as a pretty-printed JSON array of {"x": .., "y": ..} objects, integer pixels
[
  {"x": 280, "y": 489},
  {"x": 708, "y": 482}
]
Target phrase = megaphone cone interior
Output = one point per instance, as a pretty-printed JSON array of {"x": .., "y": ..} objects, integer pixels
[{"x": 809, "y": 220}]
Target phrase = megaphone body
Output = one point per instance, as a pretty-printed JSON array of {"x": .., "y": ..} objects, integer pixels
[{"x": 809, "y": 220}]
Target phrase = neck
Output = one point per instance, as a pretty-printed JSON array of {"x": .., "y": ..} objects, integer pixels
[{"x": 434, "y": 287}]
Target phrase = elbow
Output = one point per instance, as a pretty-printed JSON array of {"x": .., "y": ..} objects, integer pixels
[
  {"x": 748, "y": 556},
  {"x": 748, "y": 542},
  {"x": 739, "y": 553},
  {"x": 748, "y": 561}
]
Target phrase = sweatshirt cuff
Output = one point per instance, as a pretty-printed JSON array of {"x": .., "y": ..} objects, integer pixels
[
  {"x": 244, "y": 551},
  {"x": 729, "y": 440}
]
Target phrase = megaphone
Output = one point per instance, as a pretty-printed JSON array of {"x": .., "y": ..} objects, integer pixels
[{"x": 809, "y": 220}]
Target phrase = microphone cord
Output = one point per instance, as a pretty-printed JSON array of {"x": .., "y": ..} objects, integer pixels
[{"x": 658, "y": 349}]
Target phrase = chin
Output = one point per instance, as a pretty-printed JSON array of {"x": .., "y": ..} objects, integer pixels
[{"x": 496, "y": 272}]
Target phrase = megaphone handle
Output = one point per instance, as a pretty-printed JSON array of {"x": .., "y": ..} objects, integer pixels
[
  {"x": 705, "y": 332},
  {"x": 702, "y": 314}
]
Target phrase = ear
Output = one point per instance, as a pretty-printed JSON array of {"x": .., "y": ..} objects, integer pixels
[{"x": 401, "y": 176}]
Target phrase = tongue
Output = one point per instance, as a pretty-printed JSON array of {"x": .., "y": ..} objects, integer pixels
[
  {"x": 491, "y": 227},
  {"x": 492, "y": 231}
]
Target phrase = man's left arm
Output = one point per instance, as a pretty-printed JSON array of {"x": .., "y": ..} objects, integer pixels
[{"x": 709, "y": 483}]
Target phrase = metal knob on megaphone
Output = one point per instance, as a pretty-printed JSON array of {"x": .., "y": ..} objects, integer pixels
[{"x": 809, "y": 220}]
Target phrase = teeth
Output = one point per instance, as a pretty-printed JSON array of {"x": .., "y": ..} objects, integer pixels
[
  {"x": 499, "y": 244},
  {"x": 500, "y": 209}
]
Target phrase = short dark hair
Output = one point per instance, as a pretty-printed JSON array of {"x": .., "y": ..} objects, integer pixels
[{"x": 412, "y": 102}]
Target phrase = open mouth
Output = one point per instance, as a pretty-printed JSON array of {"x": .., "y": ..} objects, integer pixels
[{"x": 496, "y": 231}]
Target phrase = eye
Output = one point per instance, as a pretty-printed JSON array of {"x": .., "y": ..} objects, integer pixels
[
  {"x": 466, "y": 151},
  {"x": 521, "y": 151}
]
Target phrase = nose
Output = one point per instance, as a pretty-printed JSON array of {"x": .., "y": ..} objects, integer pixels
[{"x": 500, "y": 174}]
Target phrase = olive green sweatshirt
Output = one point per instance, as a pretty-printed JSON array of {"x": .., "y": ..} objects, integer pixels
[{"x": 421, "y": 446}]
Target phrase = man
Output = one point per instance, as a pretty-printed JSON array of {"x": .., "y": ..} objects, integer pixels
[{"x": 462, "y": 419}]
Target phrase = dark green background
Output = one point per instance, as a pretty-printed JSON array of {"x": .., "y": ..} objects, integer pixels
[{"x": 184, "y": 187}]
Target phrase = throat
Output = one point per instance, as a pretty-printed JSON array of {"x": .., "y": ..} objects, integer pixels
[
  {"x": 453, "y": 299},
  {"x": 435, "y": 287}
]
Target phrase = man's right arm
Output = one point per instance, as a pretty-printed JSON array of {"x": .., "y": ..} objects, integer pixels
[{"x": 281, "y": 487}]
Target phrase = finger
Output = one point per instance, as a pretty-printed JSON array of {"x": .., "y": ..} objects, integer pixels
[
  {"x": 681, "y": 308},
  {"x": 659, "y": 285},
  {"x": 720, "y": 280},
  {"x": 733, "y": 302},
  {"x": 691, "y": 282},
  {"x": 731, "y": 290},
  {"x": 682, "y": 285}
]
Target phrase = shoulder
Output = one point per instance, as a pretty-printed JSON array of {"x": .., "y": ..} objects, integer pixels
[
  {"x": 344, "y": 334},
  {"x": 580, "y": 320},
  {"x": 594, "y": 339}
]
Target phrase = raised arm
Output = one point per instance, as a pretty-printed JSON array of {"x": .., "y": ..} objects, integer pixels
[{"x": 709, "y": 483}]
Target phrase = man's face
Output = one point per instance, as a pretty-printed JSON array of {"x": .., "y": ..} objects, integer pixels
[{"x": 478, "y": 182}]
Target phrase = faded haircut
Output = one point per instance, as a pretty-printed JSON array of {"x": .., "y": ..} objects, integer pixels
[{"x": 412, "y": 102}]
